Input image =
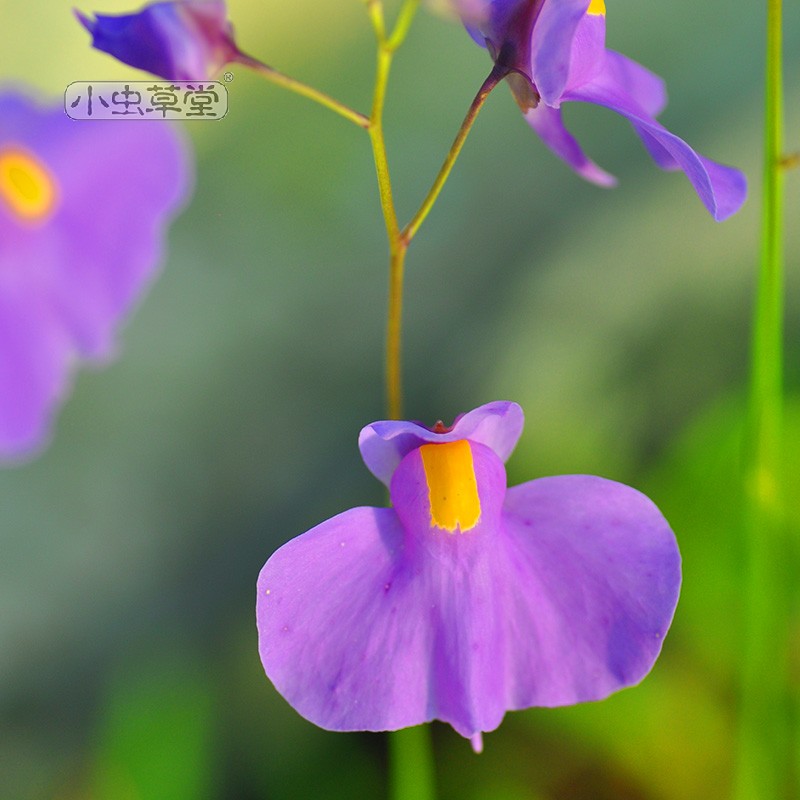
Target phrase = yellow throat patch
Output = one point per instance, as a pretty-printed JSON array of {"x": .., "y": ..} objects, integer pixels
[
  {"x": 26, "y": 185},
  {"x": 452, "y": 487},
  {"x": 597, "y": 8}
]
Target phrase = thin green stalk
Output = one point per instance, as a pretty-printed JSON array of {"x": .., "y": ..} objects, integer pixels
[
  {"x": 495, "y": 76},
  {"x": 375, "y": 13},
  {"x": 304, "y": 90},
  {"x": 399, "y": 240},
  {"x": 764, "y": 766},
  {"x": 404, "y": 19},
  {"x": 394, "y": 330},
  {"x": 383, "y": 67},
  {"x": 397, "y": 249},
  {"x": 411, "y": 764}
]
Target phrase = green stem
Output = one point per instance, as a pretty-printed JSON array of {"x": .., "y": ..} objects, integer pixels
[
  {"x": 404, "y": 19},
  {"x": 394, "y": 328},
  {"x": 411, "y": 764},
  {"x": 384, "y": 64},
  {"x": 397, "y": 248},
  {"x": 375, "y": 12},
  {"x": 764, "y": 766},
  {"x": 495, "y": 76},
  {"x": 304, "y": 90}
]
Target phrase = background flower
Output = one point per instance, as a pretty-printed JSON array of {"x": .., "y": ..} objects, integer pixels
[
  {"x": 181, "y": 40},
  {"x": 83, "y": 207}
]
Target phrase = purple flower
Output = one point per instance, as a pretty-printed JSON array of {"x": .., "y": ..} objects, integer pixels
[
  {"x": 465, "y": 600},
  {"x": 183, "y": 40},
  {"x": 554, "y": 52},
  {"x": 82, "y": 213}
]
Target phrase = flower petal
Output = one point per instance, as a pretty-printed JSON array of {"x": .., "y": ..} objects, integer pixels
[
  {"x": 495, "y": 21},
  {"x": 551, "y": 46},
  {"x": 69, "y": 277},
  {"x": 338, "y": 635},
  {"x": 641, "y": 86},
  {"x": 118, "y": 184},
  {"x": 188, "y": 40},
  {"x": 471, "y": 12},
  {"x": 367, "y": 625},
  {"x": 547, "y": 122},
  {"x": 593, "y": 580},
  {"x": 34, "y": 352},
  {"x": 384, "y": 444},
  {"x": 623, "y": 89},
  {"x": 121, "y": 184},
  {"x": 588, "y": 50},
  {"x": 561, "y": 591}
]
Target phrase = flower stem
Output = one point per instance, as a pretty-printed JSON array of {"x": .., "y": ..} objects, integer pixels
[
  {"x": 397, "y": 249},
  {"x": 394, "y": 328},
  {"x": 375, "y": 12},
  {"x": 411, "y": 764},
  {"x": 378, "y": 141},
  {"x": 764, "y": 766},
  {"x": 304, "y": 90},
  {"x": 495, "y": 76},
  {"x": 404, "y": 19}
]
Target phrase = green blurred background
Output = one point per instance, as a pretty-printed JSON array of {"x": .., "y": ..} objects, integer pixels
[{"x": 618, "y": 319}]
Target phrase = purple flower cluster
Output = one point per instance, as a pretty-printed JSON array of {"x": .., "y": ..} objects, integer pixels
[
  {"x": 465, "y": 598},
  {"x": 551, "y": 51}
]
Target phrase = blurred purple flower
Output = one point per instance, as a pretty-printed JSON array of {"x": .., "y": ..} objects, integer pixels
[
  {"x": 554, "y": 52},
  {"x": 82, "y": 213},
  {"x": 183, "y": 40},
  {"x": 465, "y": 600}
]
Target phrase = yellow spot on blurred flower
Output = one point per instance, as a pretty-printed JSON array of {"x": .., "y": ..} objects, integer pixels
[
  {"x": 452, "y": 487},
  {"x": 26, "y": 185},
  {"x": 597, "y": 7}
]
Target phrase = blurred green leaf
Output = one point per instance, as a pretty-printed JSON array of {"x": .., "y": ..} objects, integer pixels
[{"x": 155, "y": 739}]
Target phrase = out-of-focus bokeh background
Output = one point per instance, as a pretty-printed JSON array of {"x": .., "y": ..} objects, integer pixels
[{"x": 618, "y": 319}]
